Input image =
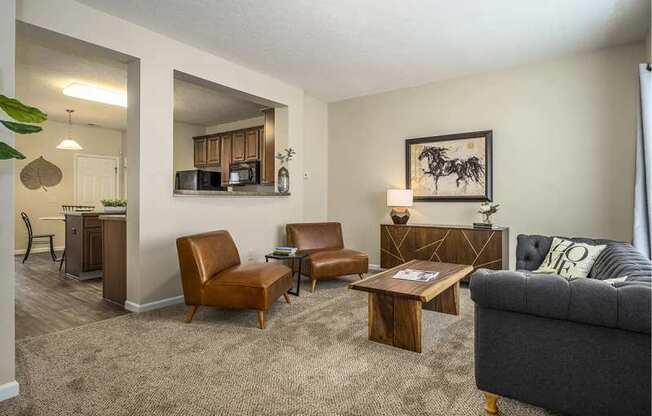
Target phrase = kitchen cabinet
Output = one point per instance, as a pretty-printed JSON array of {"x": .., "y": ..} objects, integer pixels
[
  {"x": 238, "y": 153},
  {"x": 114, "y": 253},
  {"x": 213, "y": 151},
  {"x": 83, "y": 245},
  {"x": 225, "y": 152},
  {"x": 200, "y": 152},
  {"x": 252, "y": 145}
]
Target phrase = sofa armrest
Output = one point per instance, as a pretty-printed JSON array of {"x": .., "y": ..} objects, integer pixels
[{"x": 587, "y": 301}]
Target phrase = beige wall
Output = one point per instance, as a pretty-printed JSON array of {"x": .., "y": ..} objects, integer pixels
[
  {"x": 564, "y": 135},
  {"x": 39, "y": 203},
  {"x": 316, "y": 160},
  {"x": 8, "y": 386},
  {"x": 184, "y": 151}
]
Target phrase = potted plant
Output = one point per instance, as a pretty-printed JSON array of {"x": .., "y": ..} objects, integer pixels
[
  {"x": 487, "y": 209},
  {"x": 283, "y": 181},
  {"x": 114, "y": 205},
  {"x": 22, "y": 114}
]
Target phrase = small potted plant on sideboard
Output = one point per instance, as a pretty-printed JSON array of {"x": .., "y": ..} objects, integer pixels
[{"x": 114, "y": 206}]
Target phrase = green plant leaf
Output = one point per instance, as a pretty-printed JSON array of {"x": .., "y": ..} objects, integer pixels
[
  {"x": 21, "y": 128},
  {"x": 8, "y": 152},
  {"x": 21, "y": 112}
]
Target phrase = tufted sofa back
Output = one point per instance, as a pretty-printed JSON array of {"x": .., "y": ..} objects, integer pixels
[{"x": 617, "y": 260}]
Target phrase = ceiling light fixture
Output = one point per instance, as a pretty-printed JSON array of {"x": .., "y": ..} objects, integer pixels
[
  {"x": 68, "y": 143},
  {"x": 93, "y": 93}
]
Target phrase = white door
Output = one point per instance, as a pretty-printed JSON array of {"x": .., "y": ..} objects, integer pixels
[{"x": 96, "y": 178}]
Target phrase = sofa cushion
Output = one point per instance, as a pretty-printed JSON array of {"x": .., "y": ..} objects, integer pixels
[
  {"x": 586, "y": 301},
  {"x": 331, "y": 263},
  {"x": 249, "y": 285}
]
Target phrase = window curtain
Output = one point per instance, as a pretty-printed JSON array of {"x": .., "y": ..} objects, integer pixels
[{"x": 643, "y": 184}]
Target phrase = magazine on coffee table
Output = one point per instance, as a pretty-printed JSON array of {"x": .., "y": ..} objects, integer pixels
[{"x": 416, "y": 275}]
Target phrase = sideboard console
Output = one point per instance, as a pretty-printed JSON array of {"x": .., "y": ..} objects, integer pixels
[{"x": 480, "y": 248}]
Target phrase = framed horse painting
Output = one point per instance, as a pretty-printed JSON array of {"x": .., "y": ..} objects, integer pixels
[{"x": 454, "y": 167}]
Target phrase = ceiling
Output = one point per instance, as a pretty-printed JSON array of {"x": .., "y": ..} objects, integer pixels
[
  {"x": 337, "y": 49},
  {"x": 46, "y": 63}
]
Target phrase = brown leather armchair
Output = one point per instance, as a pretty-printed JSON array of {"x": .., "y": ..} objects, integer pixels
[
  {"x": 212, "y": 275},
  {"x": 327, "y": 255}
]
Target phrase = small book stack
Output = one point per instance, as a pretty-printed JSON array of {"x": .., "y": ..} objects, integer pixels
[
  {"x": 285, "y": 251},
  {"x": 483, "y": 225}
]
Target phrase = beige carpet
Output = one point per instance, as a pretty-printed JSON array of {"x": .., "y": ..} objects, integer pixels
[{"x": 313, "y": 359}]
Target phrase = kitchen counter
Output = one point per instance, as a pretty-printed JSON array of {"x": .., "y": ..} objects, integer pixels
[
  {"x": 182, "y": 192},
  {"x": 91, "y": 213},
  {"x": 113, "y": 217}
]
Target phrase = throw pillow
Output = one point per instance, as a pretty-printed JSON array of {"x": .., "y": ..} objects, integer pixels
[{"x": 570, "y": 259}]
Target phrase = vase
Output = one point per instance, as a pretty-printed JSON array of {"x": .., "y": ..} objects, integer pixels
[
  {"x": 487, "y": 218},
  {"x": 283, "y": 181},
  {"x": 115, "y": 210}
]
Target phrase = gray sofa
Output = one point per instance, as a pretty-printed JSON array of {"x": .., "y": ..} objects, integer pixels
[{"x": 578, "y": 347}]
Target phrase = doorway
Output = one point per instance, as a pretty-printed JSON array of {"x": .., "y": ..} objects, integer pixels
[{"x": 96, "y": 179}]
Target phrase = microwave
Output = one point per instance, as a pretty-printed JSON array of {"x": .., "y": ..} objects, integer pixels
[
  {"x": 198, "y": 180},
  {"x": 244, "y": 173}
]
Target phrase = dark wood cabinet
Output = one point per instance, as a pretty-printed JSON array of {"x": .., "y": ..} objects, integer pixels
[
  {"x": 252, "y": 144},
  {"x": 238, "y": 146},
  {"x": 114, "y": 253},
  {"x": 213, "y": 151},
  {"x": 200, "y": 152},
  {"x": 444, "y": 243},
  {"x": 84, "y": 257},
  {"x": 93, "y": 248},
  {"x": 255, "y": 143},
  {"x": 225, "y": 152}
]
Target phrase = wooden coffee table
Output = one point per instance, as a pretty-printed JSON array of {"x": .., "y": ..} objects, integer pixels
[{"x": 395, "y": 304}]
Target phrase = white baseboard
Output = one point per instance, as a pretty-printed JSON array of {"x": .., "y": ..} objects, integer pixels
[
  {"x": 8, "y": 390},
  {"x": 45, "y": 249},
  {"x": 375, "y": 267},
  {"x": 135, "y": 307}
]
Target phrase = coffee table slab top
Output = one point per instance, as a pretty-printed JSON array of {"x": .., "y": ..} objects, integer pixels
[{"x": 384, "y": 283}]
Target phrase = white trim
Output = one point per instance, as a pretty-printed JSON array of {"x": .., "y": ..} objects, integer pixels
[
  {"x": 21, "y": 251},
  {"x": 375, "y": 267},
  {"x": 9, "y": 390},
  {"x": 118, "y": 172},
  {"x": 134, "y": 307}
]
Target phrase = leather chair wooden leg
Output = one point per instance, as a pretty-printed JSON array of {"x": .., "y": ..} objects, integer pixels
[
  {"x": 287, "y": 298},
  {"x": 190, "y": 313},
  {"x": 313, "y": 283},
  {"x": 362, "y": 276},
  {"x": 261, "y": 319},
  {"x": 490, "y": 405}
]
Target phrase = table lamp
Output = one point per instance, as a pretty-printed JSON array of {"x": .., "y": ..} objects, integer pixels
[{"x": 399, "y": 200}]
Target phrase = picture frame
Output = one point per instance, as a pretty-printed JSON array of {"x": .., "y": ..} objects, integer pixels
[{"x": 452, "y": 167}]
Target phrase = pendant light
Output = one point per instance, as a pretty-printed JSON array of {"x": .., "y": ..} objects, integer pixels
[{"x": 68, "y": 143}]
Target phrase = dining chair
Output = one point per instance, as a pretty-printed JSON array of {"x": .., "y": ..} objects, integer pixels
[{"x": 31, "y": 237}]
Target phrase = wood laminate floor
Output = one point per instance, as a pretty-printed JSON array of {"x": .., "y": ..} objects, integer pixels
[{"x": 47, "y": 301}]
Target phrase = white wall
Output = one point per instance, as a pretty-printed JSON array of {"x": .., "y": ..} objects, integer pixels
[
  {"x": 564, "y": 135},
  {"x": 39, "y": 203},
  {"x": 316, "y": 160},
  {"x": 8, "y": 386},
  {"x": 156, "y": 217}
]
